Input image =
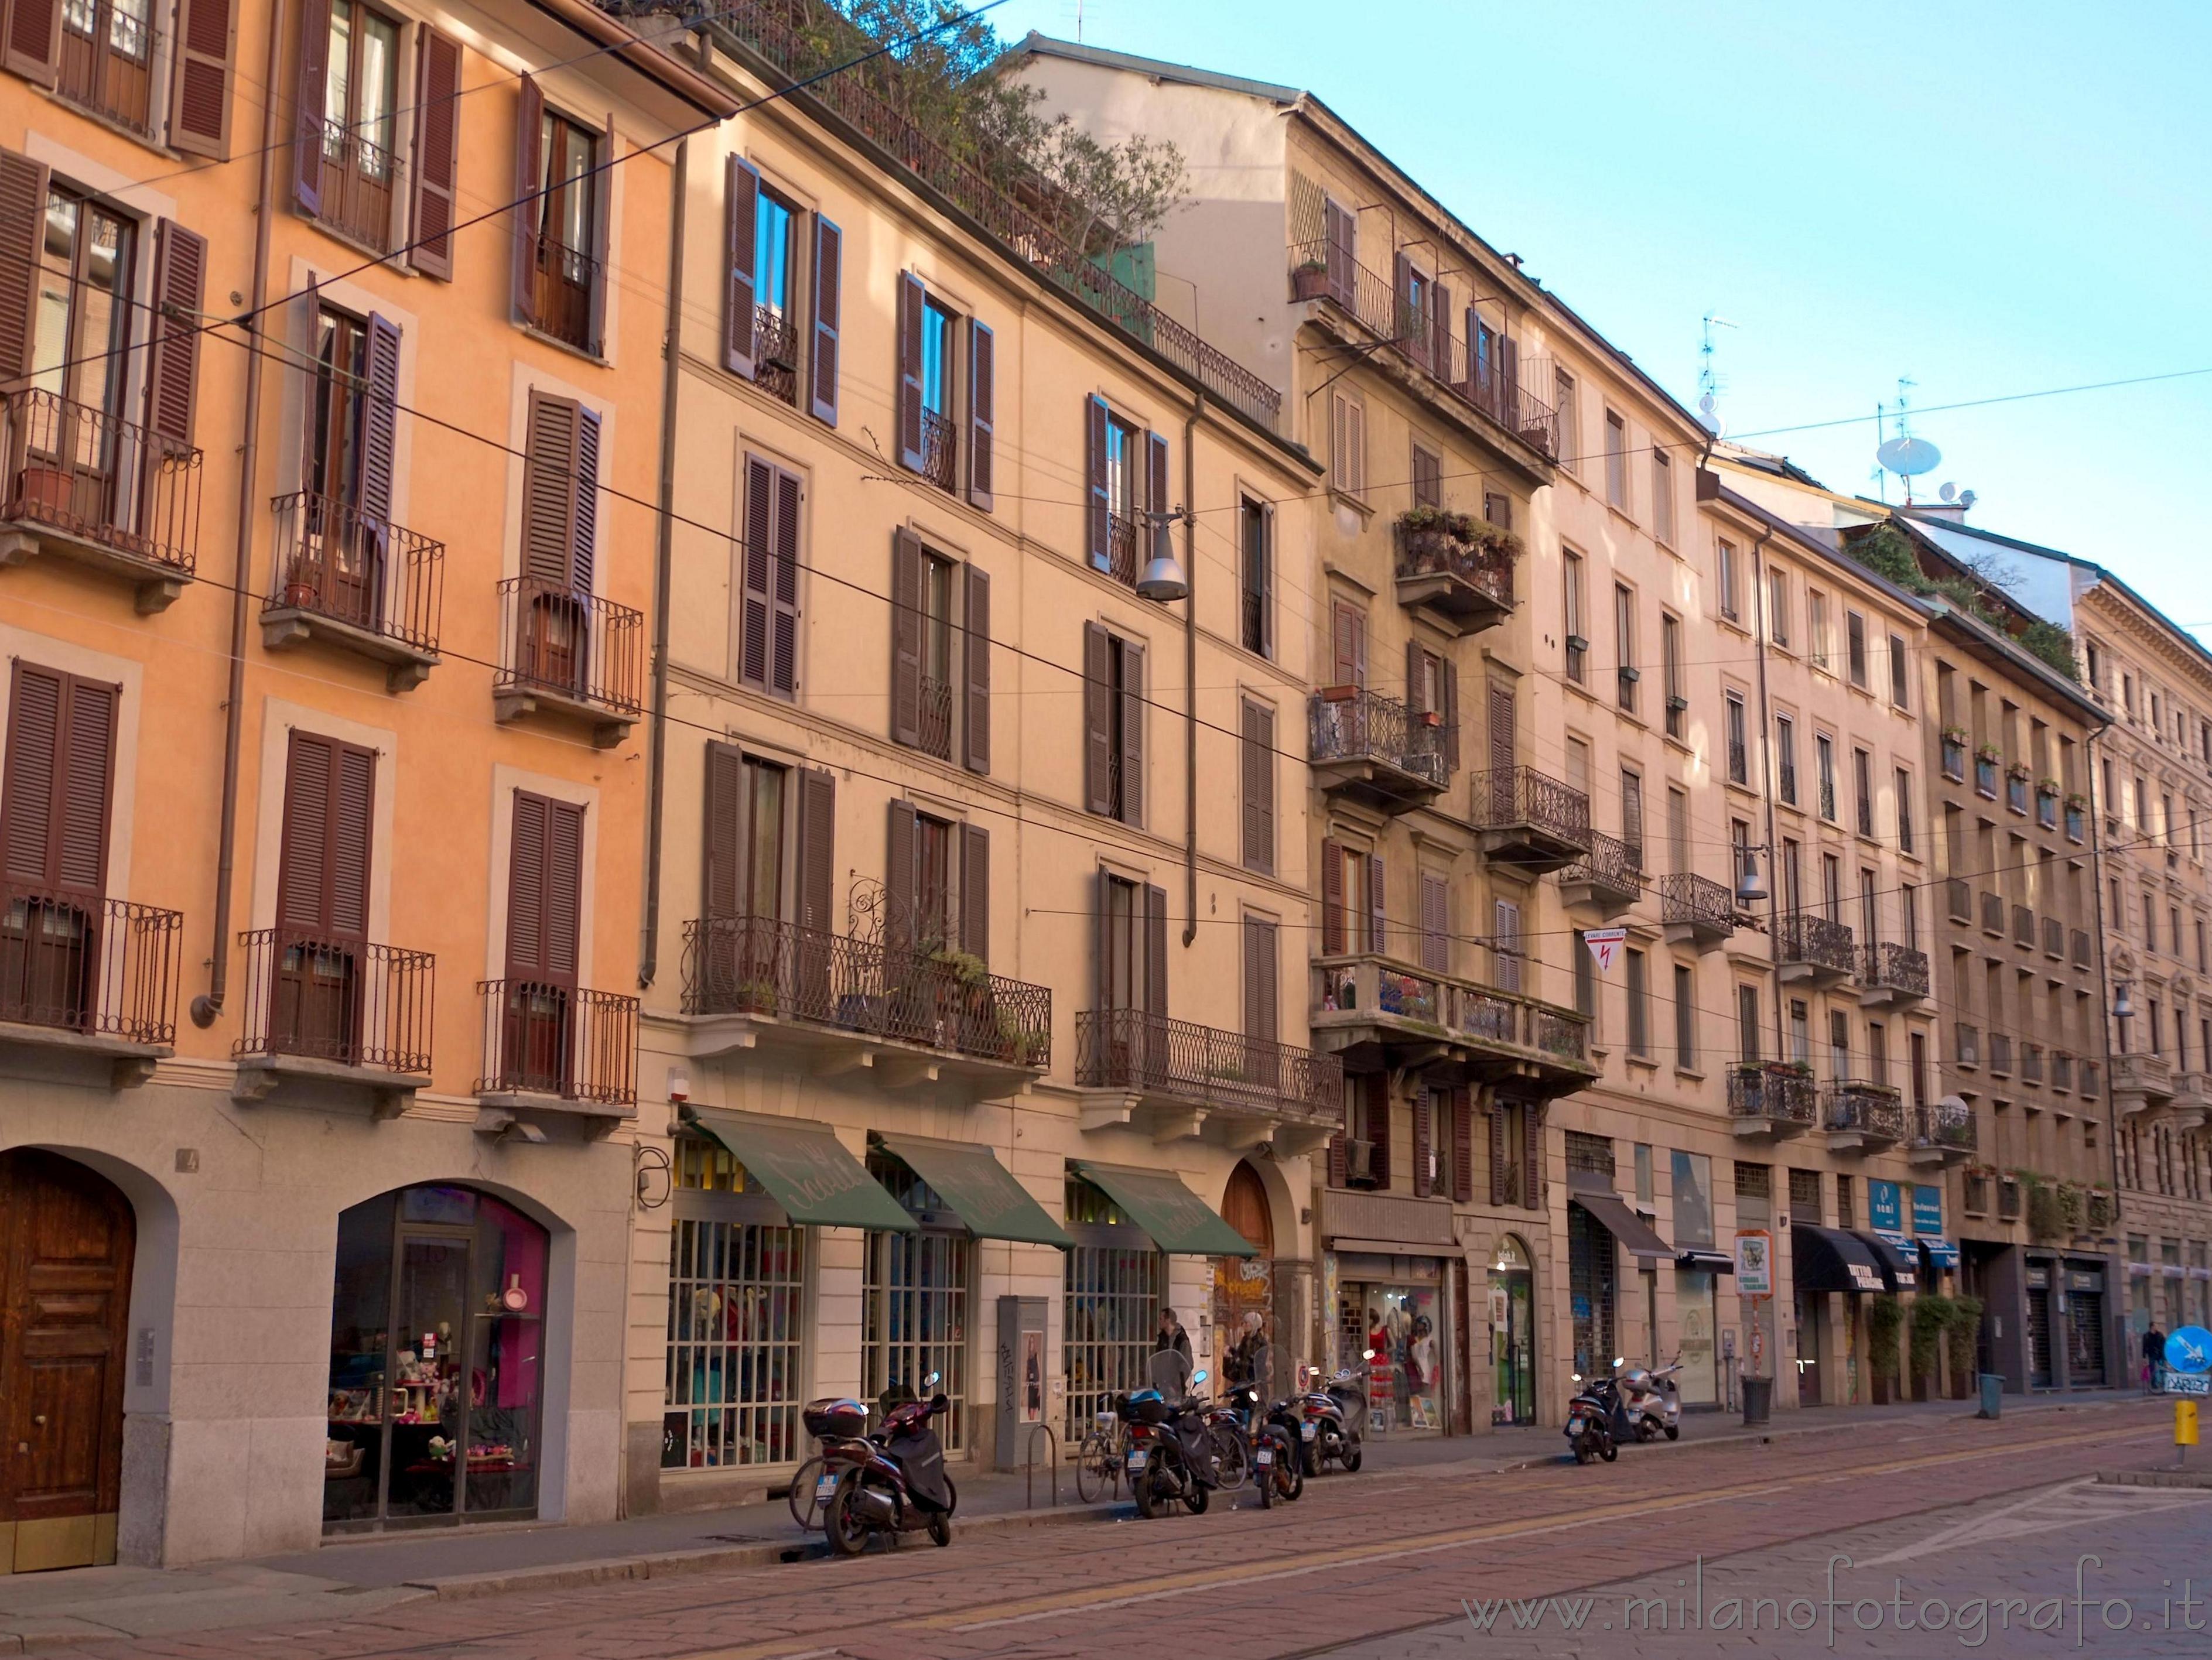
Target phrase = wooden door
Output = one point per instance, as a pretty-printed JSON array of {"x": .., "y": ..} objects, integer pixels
[{"x": 66, "y": 1241}]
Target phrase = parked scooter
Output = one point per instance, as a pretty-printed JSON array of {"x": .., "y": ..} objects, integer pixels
[
  {"x": 1595, "y": 1418},
  {"x": 890, "y": 1481},
  {"x": 1330, "y": 1421},
  {"x": 1653, "y": 1401},
  {"x": 1273, "y": 1433},
  {"x": 1171, "y": 1461}
]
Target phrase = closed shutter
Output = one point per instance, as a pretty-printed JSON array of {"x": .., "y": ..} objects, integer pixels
[
  {"x": 1424, "y": 1147},
  {"x": 975, "y": 891},
  {"x": 529, "y": 199},
  {"x": 817, "y": 847},
  {"x": 1500, "y": 1180},
  {"x": 983, "y": 406},
  {"x": 584, "y": 524},
  {"x": 767, "y": 621},
  {"x": 1156, "y": 952},
  {"x": 1259, "y": 787},
  {"x": 899, "y": 895},
  {"x": 1098, "y": 719},
  {"x": 1103, "y": 940},
  {"x": 1378, "y": 1086},
  {"x": 1156, "y": 493},
  {"x": 1337, "y": 1161},
  {"x": 1348, "y": 645},
  {"x": 1502, "y": 752},
  {"x": 307, "y": 144},
  {"x": 323, "y": 864},
  {"x": 1261, "y": 999},
  {"x": 437, "y": 178},
  {"x": 549, "y": 491},
  {"x": 1436, "y": 926},
  {"x": 721, "y": 877},
  {"x": 1332, "y": 899},
  {"x": 1462, "y": 1147},
  {"x": 1133, "y": 733},
  {"x": 1097, "y": 530},
  {"x": 1631, "y": 818},
  {"x": 1417, "y": 679},
  {"x": 741, "y": 294},
  {"x": 172, "y": 372},
  {"x": 783, "y": 621},
  {"x": 33, "y": 41},
  {"x": 909, "y": 372},
  {"x": 22, "y": 246},
  {"x": 379, "y": 420},
  {"x": 829, "y": 310},
  {"x": 1377, "y": 916},
  {"x": 55, "y": 794},
  {"x": 906, "y": 636},
  {"x": 975, "y": 728},
  {"x": 207, "y": 47},
  {"x": 544, "y": 891},
  {"x": 1506, "y": 945}
]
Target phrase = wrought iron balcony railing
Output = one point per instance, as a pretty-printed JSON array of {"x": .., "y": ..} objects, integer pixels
[
  {"x": 1434, "y": 1006},
  {"x": 98, "y": 479},
  {"x": 1803, "y": 937},
  {"x": 940, "y": 452},
  {"x": 1688, "y": 900},
  {"x": 1875, "y": 1110},
  {"x": 336, "y": 562},
  {"x": 759, "y": 965},
  {"x": 1509, "y": 796},
  {"x": 1886, "y": 965},
  {"x": 567, "y": 292},
  {"x": 109, "y": 52},
  {"x": 98, "y": 967},
  {"x": 776, "y": 353},
  {"x": 1131, "y": 1049},
  {"x": 577, "y": 646},
  {"x": 1351, "y": 724},
  {"x": 1611, "y": 865},
  {"x": 1947, "y": 1124},
  {"x": 357, "y": 179},
  {"x": 350, "y": 1003},
  {"x": 1776, "y": 1091},
  {"x": 1433, "y": 552},
  {"x": 545, "y": 1039}
]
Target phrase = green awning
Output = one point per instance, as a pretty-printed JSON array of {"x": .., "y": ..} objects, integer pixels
[
  {"x": 1179, "y": 1221},
  {"x": 806, "y": 1169},
  {"x": 982, "y": 1191}
]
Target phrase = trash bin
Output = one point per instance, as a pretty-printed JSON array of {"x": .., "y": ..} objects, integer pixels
[
  {"x": 1992, "y": 1395},
  {"x": 1758, "y": 1399}
]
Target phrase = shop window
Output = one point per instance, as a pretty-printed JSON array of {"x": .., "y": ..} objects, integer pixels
[
  {"x": 914, "y": 1299},
  {"x": 1396, "y": 1321},
  {"x": 1111, "y": 1286}
]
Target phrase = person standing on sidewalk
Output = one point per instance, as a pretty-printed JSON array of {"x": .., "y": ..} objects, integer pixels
[
  {"x": 1168, "y": 1371},
  {"x": 2153, "y": 1355}
]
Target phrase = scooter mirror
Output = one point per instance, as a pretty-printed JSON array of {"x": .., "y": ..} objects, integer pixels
[
  {"x": 1366, "y": 1353},
  {"x": 1574, "y": 1377},
  {"x": 1199, "y": 1376},
  {"x": 937, "y": 1378}
]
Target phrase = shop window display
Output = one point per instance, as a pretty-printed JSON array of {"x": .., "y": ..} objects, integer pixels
[
  {"x": 1512, "y": 1350},
  {"x": 1400, "y": 1324},
  {"x": 915, "y": 1305},
  {"x": 436, "y": 1362},
  {"x": 1111, "y": 1292}
]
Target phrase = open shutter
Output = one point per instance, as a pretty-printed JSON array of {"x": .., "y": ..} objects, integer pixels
[
  {"x": 1440, "y": 311},
  {"x": 1423, "y": 1144},
  {"x": 1451, "y": 716},
  {"x": 33, "y": 45},
  {"x": 1337, "y": 1162},
  {"x": 1337, "y": 231},
  {"x": 906, "y": 636},
  {"x": 529, "y": 199},
  {"x": 1332, "y": 899},
  {"x": 1097, "y": 720},
  {"x": 173, "y": 372},
  {"x": 1416, "y": 680},
  {"x": 1102, "y": 940},
  {"x": 976, "y": 727},
  {"x": 1463, "y": 1149},
  {"x": 436, "y": 184},
  {"x": 23, "y": 247},
  {"x": 898, "y": 875},
  {"x": 379, "y": 420},
  {"x": 1405, "y": 325},
  {"x": 757, "y": 559},
  {"x": 723, "y": 840},
  {"x": 1497, "y": 1166},
  {"x": 549, "y": 491},
  {"x": 1096, "y": 529},
  {"x": 783, "y": 594},
  {"x": 742, "y": 294},
  {"x": 817, "y": 847},
  {"x": 307, "y": 144},
  {"x": 909, "y": 372},
  {"x": 1532, "y": 1155},
  {"x": 1156, "y": 952},
  {"x": 828, "y": 308},
  {"x": 207, "y": 47},
  {"x": 1378, "y": 917},
  {"x": 983, "y": 413},
  {"x": 603, "y": 204},
  {"x": 1377, "y": 1085},
  {"x": 1133, "y": 733},
  {"x": 975, "y": 891},
  {"x": 1156, "y": 493},
  {"x": 585, "y": 521}
]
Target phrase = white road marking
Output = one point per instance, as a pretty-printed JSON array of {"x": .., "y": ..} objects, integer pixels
[{"x": 2083, "y": 1502}]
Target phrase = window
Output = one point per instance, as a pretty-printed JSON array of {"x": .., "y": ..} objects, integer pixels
[
  {"x": 742, "y": 875},
  {"x": 1435, "y": 923},
  {"x": 1678, "y": 702},
  {"x": 1585, "y": 983},
  {"x": 1624, "y": 642},
  {"x": 1428, "y": 477},
  {"x": 1506, "y": 954},
  {"x": 1855, "y": 629},
  {"x": 564, "y": 193},
  {"x": 1631, "y": 816},
  {"x": 1777, "y": 606},
  {"x": 1862, "y": 789},
  {"x": 1639, "y": 1004},
  {"x": 81, "y": 314},
  {"x": 1111, "y": 1287},
  {"x": 1578, "y": 642},
  {"x": 1662, "y": 494},
  {"x": 1347, "y": 644},
  {"x": 1816, "y": 628},
  {"x": 1693, "y": 1198},
  {"x": 1255, "y": 617},
  {"x": 1902, "y": 782},
  {"x": 1831, "y": 888},
  {"x": 1132, "y": 923},
  {"x": 933, "y": 867},
  {"x": 768, "y": 631},
  {"x": 1839, "y": 1044},
  {"x": 1747, "y": 1024},
  {"x": 765, "y": 341},
  {"x": 1785, "y": 760},
  {"x": 1114, "y": 724},
  {"x": 1570, "y": 433},
  {"x": 1729, "y": 583},
  {"x": 539, "y": 1018},
  {"x": 1348, "y": 447},
  {"x": 914, "y": 1297},
  {"x": 1739, "y": 759},
  {"x": 1678, "y": 830},
  {"x": 1616, "y": 460},
  {"x": 1686, "y": 1017},
  {"x": 351, "y": 185},
  {"x": 935, "y": 691},
  {"x": 1900, "y": 673},
  {"x": 1498, "y": 509},
  {"x": 1258, "y": 750},
  {"x": 736, "y": 1284},
  {"x": 1824, "y": 758},
  {"x": 1351, "y": 887},
  {"x": 1800, "y": 1031}
]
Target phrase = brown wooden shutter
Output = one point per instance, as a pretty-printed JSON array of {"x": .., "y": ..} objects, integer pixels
[
  {"x": 910, "y": 452},
  {"x": 1096, "y": 531},
  {"x": 722, "y": 842},
  {"x": 1416, "y": 681},
  {"x": 33, "y": 41},
  {"x": 1424, "y": 1142},
  {"x": 1462, "y": 1152},
  {"x": 1436, "y": 927},
  {"x": 526, "y": 887},
  {"x": 1261, "y": 987},
  {"x": 1098, "y": 719},
  {"x": 1532, "y": 1155},
  {"x": 1332, "y": 899},
  {"x": 1377, "y": 1085},
  {"x": 899, "y": 895},
  {"x": 1498, "y": 1111},
  {"x": 817, "y": 848},
  {"x": 1102, "y": 939},
  {"x": 603, "y": 204},
  {"x": 379, "y": 420},
  {"x": 173, "y": 372},
  {"x": 307, "y": 141},
  {"x": 741, "y": 294},
  {"x": 906, "y": 636},
  {"x": 783, "y": 598},
  {"x": 1339, "y": 232},
  {"x": 22, "y": 248},
  {"x": 1451, "y": 715},
  {"x": 975, "y": 728},
  {"x": 1258, "y": 756},
  {"x": 975, "y": 891},
  {"x": 829, "y": 310},
  {"x": 1502, "y": 747},
  {"x": 757, "y": 558},
  {"x": 529, "y": 199},
  {"x": 207, "y": 48},
  {"x": 1440, "y": 310},
  {"x": 584, "y": 523},
  {"x": 437, "y": 180},
  {"x": 982, "y": 413},
  {"x": 1377, "y": 914},
  {"x": 1348, "y": 645},
  {"x": 1337, "y": 1161},
  {"x": 1156, "y": 493},
  {"x": 1404, "y": 323},
  {"x": 58, "y": 782},
  {"x": 323, "y": 864},
  {"x": 1156, "y": 952},
  {"x": 1133, "y": 733},
  {"x": 549, "y": 490}
]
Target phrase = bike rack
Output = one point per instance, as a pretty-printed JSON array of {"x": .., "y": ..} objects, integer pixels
[{"x": 1051, "y": 1469}]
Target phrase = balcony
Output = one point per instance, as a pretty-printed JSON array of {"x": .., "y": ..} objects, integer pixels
[
  {"x": 334, "y": 1012},
  {"x": 1377, "y": 750},
  {"x": 554, "y": 1052},
  {"x": 565, "y": 293},
  {"x": 106, "y": 62},
  {"x": 356, "y": 582},
  {"x": 1944, "y": 1133},
  {"x": 2054, "y": 939},
  {"x": 1891, "y": 976},
  {"x": 1607, "y": 879},
  {"x": 1120, "y": 559},
  {"x": 1378, "y": 1013},
  {"x": 2139, "y": 1083},
  {"x": 2192, "y": 1102},
  {"x": 2078, "y": 952},
  {"x": 1529, "y": 821},
  {"x": 776, "y": 353},
  {"x": 1861, "y": 1118},
  {"x": 1459, "y": 566},
  {"x": 2023, "y": 927},
  {"x": 570, "y": 654},
  {"x": 1770, "y": 1099},
  {"x": 1958, "y": 900},
  {"x": 100, "y": 492},
  {"x": 896, "y": 1015},
  {"x": 87, "y": 979},
  {"x": 1173, "y": 1077},
  {"x": 1810, "y": 948},
  {"x": 2001, "y": 1054},
  {"x": 355, "y": 190},
  {"x": 1696, "y": 910},
  {"x": 941, "y": 457}
]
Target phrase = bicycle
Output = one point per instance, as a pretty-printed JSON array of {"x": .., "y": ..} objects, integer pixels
[
  {"x": 1100, "y": 1459},
  {"x": 805, "y": 1505}
]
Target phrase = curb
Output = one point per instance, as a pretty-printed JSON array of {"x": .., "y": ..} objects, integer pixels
[{"x": 2155, "y": 1478}]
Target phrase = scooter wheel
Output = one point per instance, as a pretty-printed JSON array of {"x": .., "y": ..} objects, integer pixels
[
  {"x": 941, "y": 1530},
  {"x": 1583, "y": 1451},
  {"x": 1195, "y": 1500},
  {"x": 840, "y": 1520},
  {"x": 1353, "y": 1459},
  {"x": 1308, "y": 1460},
  {"x": 1289, "y": 1480},
  {"x": 1608, "y": 1451},
  {"x": 1674, "y": 1432},
  {"x": 1646, "y": 1430},
  {"x": 1143, "y": 1488}
]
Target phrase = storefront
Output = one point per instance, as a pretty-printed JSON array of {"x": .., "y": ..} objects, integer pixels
[
  {"x": 2087, "y": 1358},
  {"x": 1698, "y": 1323},
  {"x": 1244, "y": 1287},
  {"x": 1826, "y": 1262},
  {"x": 1597, "y": 1221},
  {"x": 1512, "y": 1334},
  {"x": 1392, "y": 1309}
]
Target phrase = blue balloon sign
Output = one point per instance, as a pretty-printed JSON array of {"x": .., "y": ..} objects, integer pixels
[{"x": 2189, "y": 1350}]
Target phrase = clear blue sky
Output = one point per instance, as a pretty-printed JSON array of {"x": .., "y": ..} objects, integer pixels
[{"x": 1988, "y": 197}]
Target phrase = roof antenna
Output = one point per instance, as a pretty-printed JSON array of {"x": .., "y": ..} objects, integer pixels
[
  {"x": 1710, "y": 384},
  {"x": 1904, "y": 455}
]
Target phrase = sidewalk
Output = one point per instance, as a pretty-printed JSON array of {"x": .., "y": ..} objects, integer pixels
[{"x": 346, "y": 1579}]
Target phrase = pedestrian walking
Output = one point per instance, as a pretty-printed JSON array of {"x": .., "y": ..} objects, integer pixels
[
  {"x": 1169, "y": 1370},
  {"x": 2153, "y": 1355}
]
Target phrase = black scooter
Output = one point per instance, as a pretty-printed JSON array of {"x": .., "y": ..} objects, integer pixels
[
  {"x": 1273, "y": 1435},
  {"x": 1597, "y": 1418},
  {"x": 1168, "y": 1462},
  {"x": 1328, "y": 1421},
  {"x": 889, "y": 1482}
]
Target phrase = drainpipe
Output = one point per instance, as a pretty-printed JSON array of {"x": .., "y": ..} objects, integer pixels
[
  {"x": 2103, "y": 987},
  {"x": 207, "y": 1007},
  {"x": 1190, "y": 669},
  {"x": 664, "y": 554},
  {"x": 1766, "y": 786}
]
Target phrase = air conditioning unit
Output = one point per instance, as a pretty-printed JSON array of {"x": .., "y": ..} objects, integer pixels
[{"x": 1359, "y": 1164}]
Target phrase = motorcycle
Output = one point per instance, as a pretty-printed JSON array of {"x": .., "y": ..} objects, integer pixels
[
  {"x": 1592, "y": 1418},
  {"x": 1277, "y": 1468},
  {"x": 1169, "y": 1459},
  {"x": 1329, "y": 1419},
  {"x": 1653, "y": 1401},
  {"x": 890, "y": 1481}
]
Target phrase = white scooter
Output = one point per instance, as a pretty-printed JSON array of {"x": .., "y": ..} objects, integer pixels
[{"x": 1653, "y": 1401}]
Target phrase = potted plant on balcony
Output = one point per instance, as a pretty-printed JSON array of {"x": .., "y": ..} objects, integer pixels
[
  {"x": 1955, "y": 751},
  {"x": 1885, "y": 1319},
  {"x": 1988, "y": 755},
  {"x": 1309, "y": 280}
]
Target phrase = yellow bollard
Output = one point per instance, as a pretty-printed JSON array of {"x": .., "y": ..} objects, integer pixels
[{"x": 2184, "y": 1423}]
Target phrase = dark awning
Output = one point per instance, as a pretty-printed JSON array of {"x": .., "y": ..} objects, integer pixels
[
  {"x": 1708, "y": 1261},
  {"x": 1901, "y": 1263},
  {"x": 1176, "y": 1218},
  {"x": 1623, "y": 1224},
  {"x": 806, "y": 1169},
  {"x": 980, "y": 1191},
  {"x": 1829, "y": 1259},
  {"x": 1939, "y": 1254}
]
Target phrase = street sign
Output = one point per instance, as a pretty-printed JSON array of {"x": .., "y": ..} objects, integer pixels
[
  {"x": 1604, "y": 946},
  {"x": 2183, "y": 1383},
  {"x": 2189, "y": 1349}
]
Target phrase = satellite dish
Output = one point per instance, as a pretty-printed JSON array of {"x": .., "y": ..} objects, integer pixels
[
  {"x": 1708, "y": 413},
  {"x": 1965, "y": 498},
  {"x": 1949, "y": 491},
  {"x": 1908, "y": 458}
]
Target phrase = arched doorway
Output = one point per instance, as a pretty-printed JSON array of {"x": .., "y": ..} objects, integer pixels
[
  {"x": 1246, "y": 1285},
  {"x": 67, "y": 1236},
  {"x": 1512, "y": 1334},
  {"x": 437, "y": 1362}
]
